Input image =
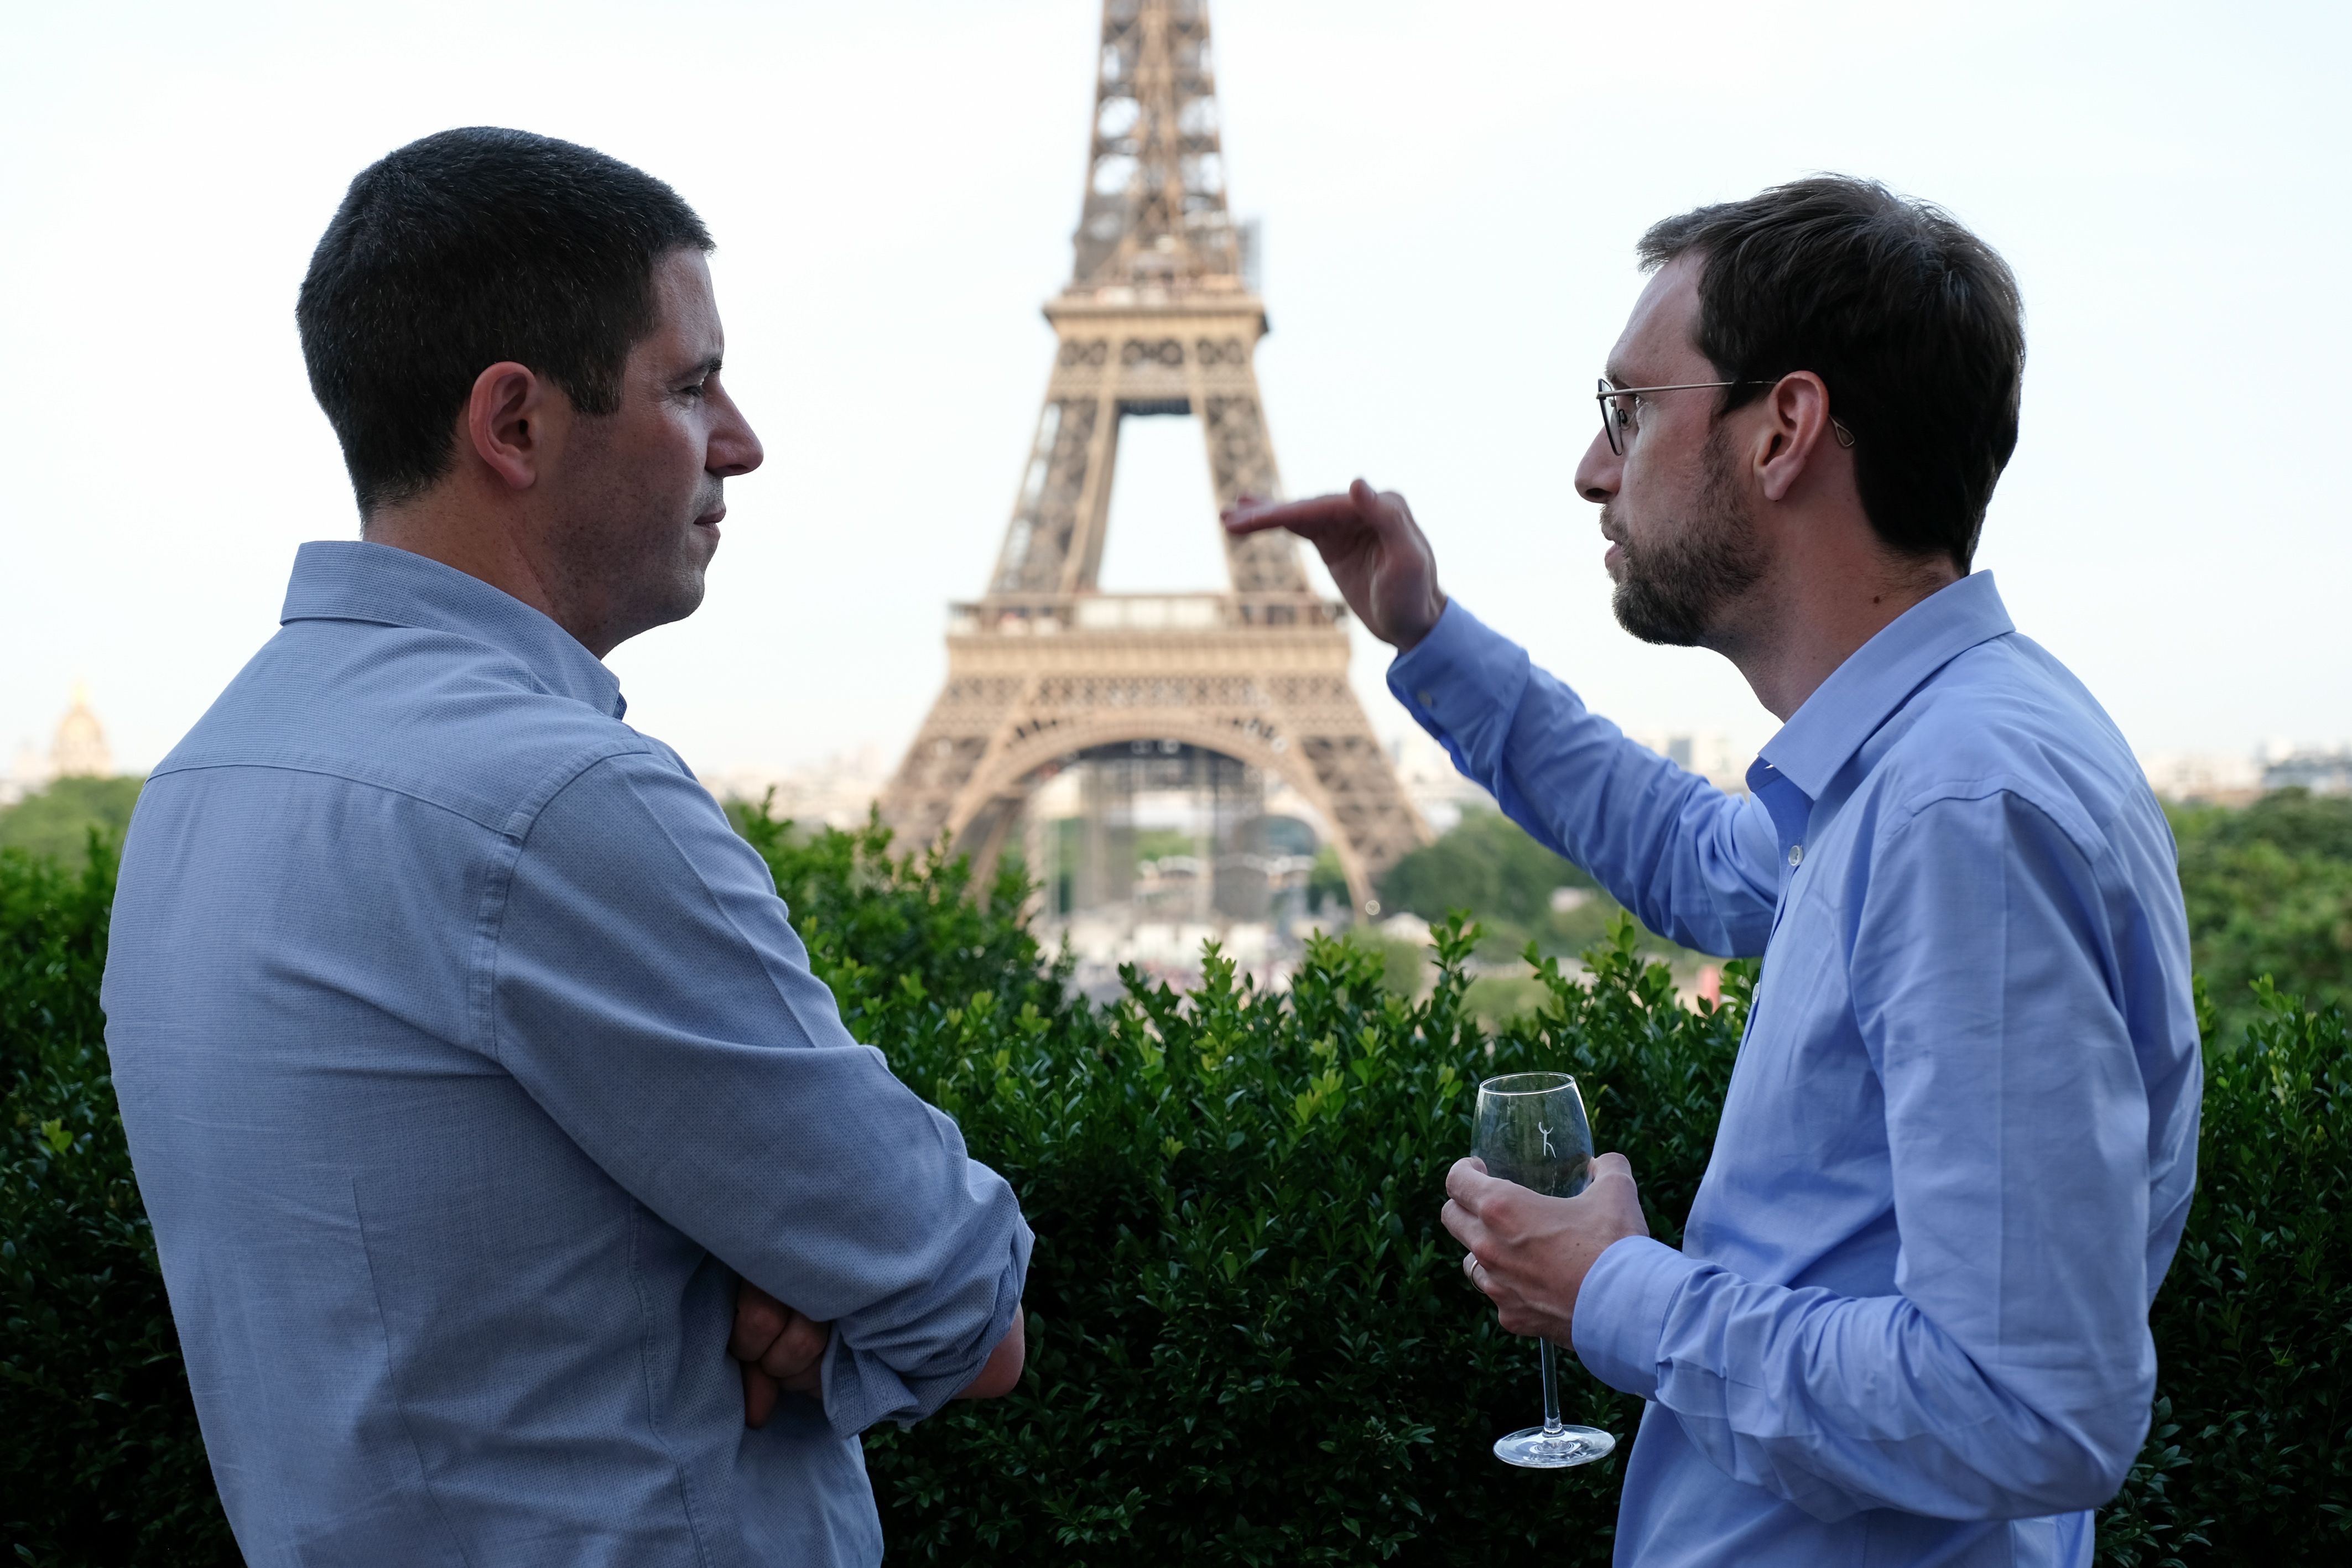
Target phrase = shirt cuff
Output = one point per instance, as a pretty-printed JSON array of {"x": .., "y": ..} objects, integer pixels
[
  {"x": 860, "y": 1390},
  {"x": 1457, "y": 681},
  {"x": 1621, "y": 1312}
]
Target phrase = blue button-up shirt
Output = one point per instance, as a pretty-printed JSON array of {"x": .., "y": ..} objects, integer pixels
[
  {"x": 466, "y": 1058},
  {"x": 1908, "y": 1321}
]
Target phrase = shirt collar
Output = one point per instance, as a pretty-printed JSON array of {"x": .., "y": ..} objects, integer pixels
[
  {"x": 351, "y": 580},
  {"x": 1846, "y": 709}
]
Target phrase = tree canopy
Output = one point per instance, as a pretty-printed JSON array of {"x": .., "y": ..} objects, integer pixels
[{"x": 56, "y": 822}]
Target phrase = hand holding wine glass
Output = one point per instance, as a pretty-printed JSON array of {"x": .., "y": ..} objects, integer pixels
[
  {"x": 1531, "y": 1253},
  {"x": 1531, "y": 1237}
]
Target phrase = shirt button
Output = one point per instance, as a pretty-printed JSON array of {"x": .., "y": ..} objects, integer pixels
[
  {"x": 1427, "y": 700},
  {"x": 1796, "y": 854}
]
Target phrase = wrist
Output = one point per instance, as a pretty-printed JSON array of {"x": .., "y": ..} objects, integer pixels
[{"x": 1436, "y": 612}]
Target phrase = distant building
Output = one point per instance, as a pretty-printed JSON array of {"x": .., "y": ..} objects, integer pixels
[
  {"x": 2204, "y": 778},
  {"x": 2226, "y": 778},
  {"x": 2321, "y": 772},
  {"x": 78, "y": 750}
]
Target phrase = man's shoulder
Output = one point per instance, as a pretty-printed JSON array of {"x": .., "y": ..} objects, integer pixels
[
  {"x": 2006, "y": 717},
  {"x": 445, "y": 719}
]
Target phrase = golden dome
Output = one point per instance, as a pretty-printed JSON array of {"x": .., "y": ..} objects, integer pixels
[{"x": 80, "y": 748}]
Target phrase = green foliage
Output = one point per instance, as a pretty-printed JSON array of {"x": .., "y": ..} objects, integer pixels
[
  {"x": 2251, "y": 1456},
  {"x": 1488, "y": 865},
  {"x": 2269, "y": 890},
  {"x": 56, "y": 822},
  {"x": 1250, "y": 1342},
  {"x": 101, "y": 1461},
  {"x": 1153, "y": 843},
  {"x": 1326, "y": 880},
  {"x": 1402, "y": 967},
  {"x": 1484, "y": 862},
  {"x": 896, "y": 938}
]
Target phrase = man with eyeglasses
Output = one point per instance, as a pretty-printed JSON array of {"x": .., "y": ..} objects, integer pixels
[{"x": 1909, "y": 1320}]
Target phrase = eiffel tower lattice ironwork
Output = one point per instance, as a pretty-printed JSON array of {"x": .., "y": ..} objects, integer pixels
[{"x": 1159, "y": 318}]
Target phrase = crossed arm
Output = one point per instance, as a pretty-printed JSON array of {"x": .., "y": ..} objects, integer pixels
[{"x": 782, "y": 1352}]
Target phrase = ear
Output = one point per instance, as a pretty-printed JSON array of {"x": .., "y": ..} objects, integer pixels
[
  {"x": 1795, "y": 438},
  {"x": 506, "y": 418}
]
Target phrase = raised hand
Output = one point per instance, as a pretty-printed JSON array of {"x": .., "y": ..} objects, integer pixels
[
  {"x": 1375, "y": 551},
  {"x": 781, "y": 1351},
  {"x": 1531, "y": 1253}
]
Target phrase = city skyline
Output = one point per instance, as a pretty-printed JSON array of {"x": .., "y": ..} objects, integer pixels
[{"x": 2163, "y": 180}]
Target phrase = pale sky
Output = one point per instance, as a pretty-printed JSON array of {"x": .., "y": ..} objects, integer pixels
[{"x": 1450, "y": 193}]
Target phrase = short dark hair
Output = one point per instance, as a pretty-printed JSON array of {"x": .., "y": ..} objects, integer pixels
[
  {"x": 463, "y": 249},
  {"x": 1912, "y": 322}
]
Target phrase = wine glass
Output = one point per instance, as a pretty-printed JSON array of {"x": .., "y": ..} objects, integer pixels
[{"x": 1531, "y": 1130}]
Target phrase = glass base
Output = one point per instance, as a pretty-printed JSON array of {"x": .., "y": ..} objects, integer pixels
[{"x": 1537, "y": 1450}]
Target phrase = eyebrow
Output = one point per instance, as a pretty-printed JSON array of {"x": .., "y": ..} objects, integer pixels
[{"x": 704, "y": 369}]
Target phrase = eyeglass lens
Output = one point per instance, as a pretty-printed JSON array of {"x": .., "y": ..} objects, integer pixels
[{"x": 1612, "y": 415}]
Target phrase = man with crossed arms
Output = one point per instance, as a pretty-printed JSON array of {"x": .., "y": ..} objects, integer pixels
[{"x": 480, "y": 1092}]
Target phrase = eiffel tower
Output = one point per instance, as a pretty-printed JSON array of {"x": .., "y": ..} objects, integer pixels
[{"x": 1159, "y": 318}]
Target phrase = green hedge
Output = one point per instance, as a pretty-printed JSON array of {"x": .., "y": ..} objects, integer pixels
[
  {"x": 1250, "y": 1341},
  {"x": 100, "y": 1458}
]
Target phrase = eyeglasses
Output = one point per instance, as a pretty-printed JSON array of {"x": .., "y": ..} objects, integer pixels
[{"x": 1620, "y": 415}]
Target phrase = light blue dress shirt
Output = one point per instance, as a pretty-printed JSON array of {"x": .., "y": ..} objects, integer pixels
[
  {"x": 466, "y": 1058},
  {"x": 1908, "y": 1321}
]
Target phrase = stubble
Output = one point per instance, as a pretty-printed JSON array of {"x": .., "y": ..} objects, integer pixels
[{"x": 1670, "y": 590}]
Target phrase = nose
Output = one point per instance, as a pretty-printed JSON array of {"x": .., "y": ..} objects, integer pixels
[
  {"x": 1598, "y": 476},
  {"x": 734, "y": 449}
]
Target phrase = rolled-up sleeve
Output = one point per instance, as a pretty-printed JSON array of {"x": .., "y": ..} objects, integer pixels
[
  {"x": 2010, "y": 1375},
  {"x": 1696, "y": 864},
  {"x": 639, "y": 979}
]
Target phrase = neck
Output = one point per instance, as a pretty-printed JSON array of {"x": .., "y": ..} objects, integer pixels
[
  {"x": 1807, "y": 615},
  {"x": 483, "y": 542}
]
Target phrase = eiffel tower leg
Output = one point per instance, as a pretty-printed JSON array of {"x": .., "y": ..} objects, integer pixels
[
  {"x": 1276, "y": 697},
  {"x": 921, "y": 800},
  {"x": 1241, "y": 462}
]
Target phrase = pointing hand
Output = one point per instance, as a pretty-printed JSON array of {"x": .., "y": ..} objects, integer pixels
[{"x": 1375, "y": 551}]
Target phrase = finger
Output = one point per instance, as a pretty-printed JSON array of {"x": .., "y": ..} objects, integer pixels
[
  {"x": 1318, "y": 515},
  {"x": 796, "y": 1349},
  {"x": 760, "y": 1394},
  {"x": 1467, "y": 1183},
  {"x": 1482, "y": 1277},
  {"x": 1463, "y": 1225},
  {"x": 759, "y": 1319}
]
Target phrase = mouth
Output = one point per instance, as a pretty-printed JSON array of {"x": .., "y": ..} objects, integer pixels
[{"x": 711, "y": 518}]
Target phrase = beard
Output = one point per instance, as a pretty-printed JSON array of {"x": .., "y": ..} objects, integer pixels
[{"x": 1671, "y": 591}]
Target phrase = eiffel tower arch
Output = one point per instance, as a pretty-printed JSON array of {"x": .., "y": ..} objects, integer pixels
[{"x": 1158, "y": 317}]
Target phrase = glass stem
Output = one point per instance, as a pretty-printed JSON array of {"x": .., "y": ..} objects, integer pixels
[{"x": 1552, "y": 1390}]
